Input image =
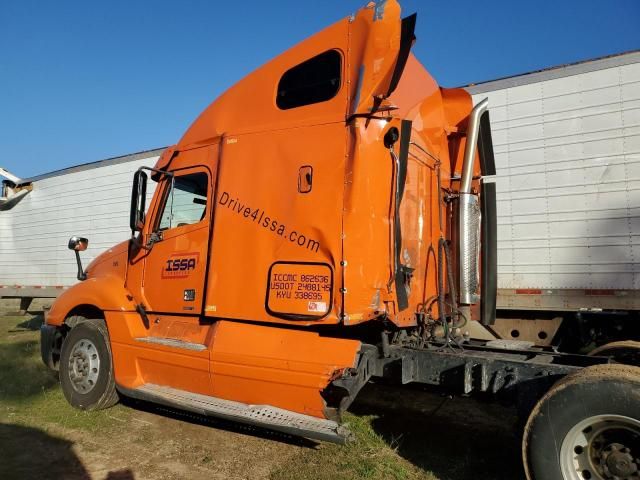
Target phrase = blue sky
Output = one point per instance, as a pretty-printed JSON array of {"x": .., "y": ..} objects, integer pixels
[{"x": 83, "y": 81}]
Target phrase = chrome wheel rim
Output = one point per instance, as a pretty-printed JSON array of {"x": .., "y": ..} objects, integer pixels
[
  {"x": 602, "y": 447},
  {"x": 84, "y": 366}
]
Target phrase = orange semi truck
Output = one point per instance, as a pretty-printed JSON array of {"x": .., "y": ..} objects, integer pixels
[{"x": 328, "y": 221}]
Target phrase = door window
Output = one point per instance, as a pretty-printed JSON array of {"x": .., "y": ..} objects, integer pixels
[{"x": 185, "y": 202}]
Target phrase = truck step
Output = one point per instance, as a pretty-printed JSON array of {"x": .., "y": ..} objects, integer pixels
[{"x": 264, "y": 416}]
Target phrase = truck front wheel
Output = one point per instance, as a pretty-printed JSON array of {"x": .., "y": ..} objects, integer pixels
[
  {"x": 86, "y": 368},
  {"x": 586, "y": 427}
]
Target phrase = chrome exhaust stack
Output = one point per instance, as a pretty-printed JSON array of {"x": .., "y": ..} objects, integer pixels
[{"x": 469, "y": 216}]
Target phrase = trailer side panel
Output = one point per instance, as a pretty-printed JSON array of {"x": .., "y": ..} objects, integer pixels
[{"x": 567, "y": 149}]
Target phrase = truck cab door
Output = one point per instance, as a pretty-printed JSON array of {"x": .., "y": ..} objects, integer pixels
[
  {"x": 166, "y": 277},
  {"x": 175, "y": 267}
]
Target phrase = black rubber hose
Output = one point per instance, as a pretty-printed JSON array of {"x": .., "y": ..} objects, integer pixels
[
  {"x": 453, "y": 293},
  {"x": 441, "y": 314}
]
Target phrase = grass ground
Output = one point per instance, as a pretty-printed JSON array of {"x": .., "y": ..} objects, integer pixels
[{"x": 420, "y": 438}]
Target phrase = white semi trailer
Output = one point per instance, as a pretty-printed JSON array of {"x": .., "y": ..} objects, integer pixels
[
  {"x": 39, "y": 214},
  {"x": 567, "y": 151}
]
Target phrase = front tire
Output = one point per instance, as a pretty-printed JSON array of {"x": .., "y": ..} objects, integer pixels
[
  {"x": 586, "y": 427},
  {"x": 86, "y": 367}
]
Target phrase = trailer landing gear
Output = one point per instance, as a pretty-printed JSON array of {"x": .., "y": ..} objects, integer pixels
[{"x": 586, "y": 427}]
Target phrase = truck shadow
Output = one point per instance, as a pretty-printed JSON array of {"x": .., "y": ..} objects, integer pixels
[
  {"x": 32, "y": 453},
  {"x": 455, "y": 438}
]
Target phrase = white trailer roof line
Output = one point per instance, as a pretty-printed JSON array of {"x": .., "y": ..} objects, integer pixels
[
  {"x": 98, "y": 164},
  {"x": 558, "y": 71}
]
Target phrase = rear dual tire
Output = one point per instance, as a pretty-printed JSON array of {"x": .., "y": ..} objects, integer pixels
[
  {"x": 86, "y": 367},
  {"x": 626, "y": 352},
  {"x": 586, "y": 427}
]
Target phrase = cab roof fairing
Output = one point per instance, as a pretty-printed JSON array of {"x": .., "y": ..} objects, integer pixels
[
  {"x": 369, "y": 41},
  {"x": 249, "y": 106}
]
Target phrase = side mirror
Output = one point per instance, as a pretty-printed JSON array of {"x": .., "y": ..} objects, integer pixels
[
  {"x": 78, "y": 244},
  {"x": 138, "y": 201}
]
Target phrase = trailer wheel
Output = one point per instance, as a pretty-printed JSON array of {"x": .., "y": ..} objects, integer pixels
[
  {"x": 86, "y": 368},
  {"x": 587, "y": 426},
  {"x": 626, "y": 352}
]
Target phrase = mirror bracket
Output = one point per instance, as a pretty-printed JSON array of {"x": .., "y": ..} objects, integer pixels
[
  {"x": 82, "y": 275},
  {"x": 79, "y": 244},
  {"x": 153, "y": 238}
]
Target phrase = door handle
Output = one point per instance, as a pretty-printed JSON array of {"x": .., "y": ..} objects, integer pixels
[{"x": 305, "y": 179}]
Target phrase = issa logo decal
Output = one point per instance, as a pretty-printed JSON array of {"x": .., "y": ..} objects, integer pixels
[{"x": 180, "y": 265}]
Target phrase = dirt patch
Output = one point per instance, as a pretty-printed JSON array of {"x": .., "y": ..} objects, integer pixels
[{"x": 145, "y": 446}]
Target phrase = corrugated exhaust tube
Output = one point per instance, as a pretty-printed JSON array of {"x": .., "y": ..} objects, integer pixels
[{"x": 469, "y": 220}]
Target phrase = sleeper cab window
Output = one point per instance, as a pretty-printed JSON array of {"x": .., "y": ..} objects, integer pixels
[
  {"x": 186, "y": 202},
  {"x": 312, "y": 81}
]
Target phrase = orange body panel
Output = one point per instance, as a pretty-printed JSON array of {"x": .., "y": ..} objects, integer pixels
[
  {"x": 260, "y": 217},
  {"x": 251, "y": 363},
  {"x": 136, "y": 362},
  {"x": 367, "y": 226},
  {"x": 104, "y": 289},
  {"x": 241, "y": 362},
  {"x": 296, "y": 228}
]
